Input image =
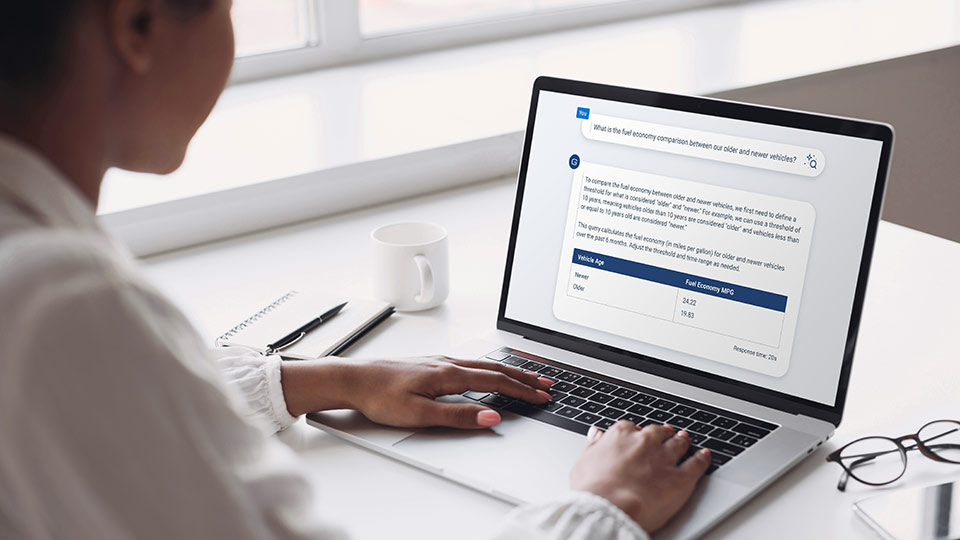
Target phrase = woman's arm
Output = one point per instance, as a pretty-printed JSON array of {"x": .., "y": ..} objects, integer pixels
[
  {"x": 403, "y": 393},
  {"x": 627, "y": 483}
]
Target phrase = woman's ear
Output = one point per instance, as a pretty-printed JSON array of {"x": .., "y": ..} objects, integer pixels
[{"x": 131, "y": 28}]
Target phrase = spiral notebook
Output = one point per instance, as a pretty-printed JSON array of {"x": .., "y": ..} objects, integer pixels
[{"x": 295, "y": 308}]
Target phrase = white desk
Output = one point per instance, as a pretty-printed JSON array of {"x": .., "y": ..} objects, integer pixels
[{"x": 906, "y": 371}]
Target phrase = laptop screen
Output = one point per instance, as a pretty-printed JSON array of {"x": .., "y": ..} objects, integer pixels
[{"x": 710, "y": 242}]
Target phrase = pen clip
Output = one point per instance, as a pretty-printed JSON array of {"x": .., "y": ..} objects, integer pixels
[{"x": 275, "y": 350}]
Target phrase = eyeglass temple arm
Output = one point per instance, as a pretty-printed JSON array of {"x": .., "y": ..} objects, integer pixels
[
  {"x": 842, "y": 484},
  {"x": 941, "y": 446}
]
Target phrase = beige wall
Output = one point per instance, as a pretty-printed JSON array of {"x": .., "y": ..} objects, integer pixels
[{"x": 920, "y": 96}]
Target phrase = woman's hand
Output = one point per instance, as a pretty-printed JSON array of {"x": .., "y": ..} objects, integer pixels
[
  {"x": 403, "y": 393},
  {"x": 636, "y": 469}
]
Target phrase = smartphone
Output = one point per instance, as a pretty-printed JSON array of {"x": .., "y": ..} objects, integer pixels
[{"x": 924, "y": 513}]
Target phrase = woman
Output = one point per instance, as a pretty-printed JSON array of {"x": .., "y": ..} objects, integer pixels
[{"x": 115, "y": 420}]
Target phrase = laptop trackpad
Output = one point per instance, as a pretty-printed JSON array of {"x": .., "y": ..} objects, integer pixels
[{"x": 520, "y": 460}]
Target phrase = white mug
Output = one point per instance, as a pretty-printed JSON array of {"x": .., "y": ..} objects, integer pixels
[{"x": 411, "y": 265}]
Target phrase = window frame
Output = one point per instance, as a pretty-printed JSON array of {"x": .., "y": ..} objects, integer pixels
[{"x": 335, "y": 36}]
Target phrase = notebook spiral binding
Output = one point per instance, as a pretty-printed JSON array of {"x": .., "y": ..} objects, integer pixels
[{"x": 255, "y": 317}]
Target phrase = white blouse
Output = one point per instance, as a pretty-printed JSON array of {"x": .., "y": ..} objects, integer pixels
[{"x": 116, "y": 421}]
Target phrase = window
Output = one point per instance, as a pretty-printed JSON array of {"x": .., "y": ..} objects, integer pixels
[
  {"x": 279, "y": 37},
  {"x": 394, "y": 16},
  {"x": 266, "y": 26}
]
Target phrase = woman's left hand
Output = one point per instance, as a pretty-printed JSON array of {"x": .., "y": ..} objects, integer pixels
[{"x": 403, "y": 393}]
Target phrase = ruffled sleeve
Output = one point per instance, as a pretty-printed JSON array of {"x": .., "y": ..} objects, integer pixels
[
  {"x": 257, "y": 379},
  {"x": 575, "y": 515}
]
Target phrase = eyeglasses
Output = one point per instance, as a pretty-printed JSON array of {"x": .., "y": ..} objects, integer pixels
[{"x": 878, "y": 461}]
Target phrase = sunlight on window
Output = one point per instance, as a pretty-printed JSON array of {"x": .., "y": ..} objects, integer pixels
[
  {"x": 394, "y": 16},
  {"x": 263, "y": 26},
  {"x": 769, "y": 51}
]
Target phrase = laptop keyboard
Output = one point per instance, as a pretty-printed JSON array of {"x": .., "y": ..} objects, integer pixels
[{"x": 582, "y": 399}]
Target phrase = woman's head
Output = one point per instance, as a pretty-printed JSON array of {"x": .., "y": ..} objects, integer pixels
[{"x": 148, "y": 71}]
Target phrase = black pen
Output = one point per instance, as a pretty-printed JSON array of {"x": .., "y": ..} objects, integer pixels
[
  {"x": 298, "y": 334},
  {"x": 362, "y": 332}
]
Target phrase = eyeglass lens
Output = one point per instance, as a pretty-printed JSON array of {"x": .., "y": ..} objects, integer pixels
[
  {"x": 943, "y": 439},
  {"x": 874, "y": 460}
]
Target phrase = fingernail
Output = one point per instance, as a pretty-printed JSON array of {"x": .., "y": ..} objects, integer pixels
[
  {"x": 488, "y": 418},
  {"x": 704, "y": 452},
  {"x": 545, "y": 381},
  {"x": 683, "y": 434},
  {"x": 668, "y": 426},
  {"x": 593, "y": 433},
  {"x": 544, "y": 395}
]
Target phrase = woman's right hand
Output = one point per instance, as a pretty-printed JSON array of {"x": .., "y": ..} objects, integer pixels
[{"x": 636, "y": 469}]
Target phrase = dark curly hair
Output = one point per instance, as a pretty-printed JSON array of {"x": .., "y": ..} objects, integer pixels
[{"x": 32, "y": 34}]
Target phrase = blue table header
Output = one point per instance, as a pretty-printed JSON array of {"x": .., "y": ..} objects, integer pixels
[{"x": 712, "y": 287}]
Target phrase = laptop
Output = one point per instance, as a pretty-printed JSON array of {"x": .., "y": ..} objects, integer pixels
[{"x": 672, "y": 260}]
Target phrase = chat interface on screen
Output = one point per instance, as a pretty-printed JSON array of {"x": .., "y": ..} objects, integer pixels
[{"x": 728, "y": 246}]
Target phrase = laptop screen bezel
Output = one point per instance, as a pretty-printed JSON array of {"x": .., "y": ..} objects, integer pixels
[{"x": 721, "y": 109}]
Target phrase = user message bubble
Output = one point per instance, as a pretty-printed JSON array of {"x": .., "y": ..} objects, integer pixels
[{"x": 757, "y": 153}]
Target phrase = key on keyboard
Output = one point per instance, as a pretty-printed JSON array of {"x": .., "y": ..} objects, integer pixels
[
  {"x": 600, "y": 398},
  {"x": 588, "y": 418},
  {"x": 514, "y": 361},
  {"x": 550, "y": 372},
  {"x": 620, "y": 403},
  {"x": 606, "y": 388},
  {"x": 592, "y": 406},
  {"x": 587, "y": 382},
  {"x": 611, "y": 413},
  {"x": 660, "y": 416},
  {"x": 640, "y": 409},
  {"x": 582, "y": 392},
  {"x": 573, "y": 401}
]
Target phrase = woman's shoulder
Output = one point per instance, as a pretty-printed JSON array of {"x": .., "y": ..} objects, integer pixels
[
  {"x": 44, "y": 266},
  {"x": 80, "y": 283},
  {"x": 45, "y": 255}
]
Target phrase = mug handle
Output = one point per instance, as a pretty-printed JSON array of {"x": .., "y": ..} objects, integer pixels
[{"x": 426, "y": 280}]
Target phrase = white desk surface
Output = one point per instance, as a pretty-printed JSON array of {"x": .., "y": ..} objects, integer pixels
[{"x": 906, "y": 369}]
